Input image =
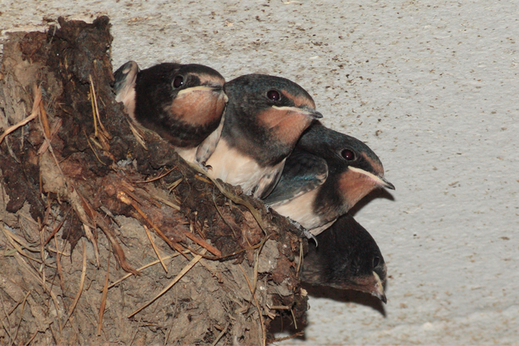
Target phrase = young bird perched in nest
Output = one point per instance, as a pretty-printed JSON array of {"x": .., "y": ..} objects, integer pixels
[
  {"x": 264, "y": 118},
  {"x": 347, "y": 258},
  {"x": 182, "y": 103},
  {"x": 326, "y": 175}
]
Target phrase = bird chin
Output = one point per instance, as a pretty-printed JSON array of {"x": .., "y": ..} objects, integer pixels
[
  {"x": 356, "y": 184},
  {"x": 366, "y": 283},
  {"x": 286, "y": 123},
  {"x": 378, "y": 289}
]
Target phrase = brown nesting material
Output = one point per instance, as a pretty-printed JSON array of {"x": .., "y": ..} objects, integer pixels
[{"x": 84, "y": 203}]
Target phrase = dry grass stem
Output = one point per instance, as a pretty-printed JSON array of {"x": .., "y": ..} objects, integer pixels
[
  {"x": 95, "y": 110},
  {"x": 103, "y": 298},
  {"x": 155, "y": 249},
  {"x": 222, "y": 333},
  {"x": 168, "y": 203},
  {"x": 34, "y": 113},
  {"x": 138, "y": 136},
  {"x": 256, "y": 303},
  {"x": 123, "y": 197},
  {"x": 21, "y": 314},
  {"x": 179, "y": 276},
  {"x": 81, "y": 285},
  {"x": 146, "y": 266},
  {"x": 160, "y": 176},
  {"x": 203, "y": 244}
]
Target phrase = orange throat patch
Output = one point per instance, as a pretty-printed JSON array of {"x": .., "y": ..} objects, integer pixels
[{"x": 198, "y": 106}]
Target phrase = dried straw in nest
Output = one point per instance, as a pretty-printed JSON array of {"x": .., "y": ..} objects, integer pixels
[{"x": 84, "y": 199}]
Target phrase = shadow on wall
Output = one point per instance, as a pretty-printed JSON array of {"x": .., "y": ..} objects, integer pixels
[
  {"x": 285, "y": 323},
  {"x": 347, "y": 296},
  {"x": 377, "y": 193}
]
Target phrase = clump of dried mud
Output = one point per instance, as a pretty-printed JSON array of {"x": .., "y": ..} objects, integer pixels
[{"x": 106, "y": 238}]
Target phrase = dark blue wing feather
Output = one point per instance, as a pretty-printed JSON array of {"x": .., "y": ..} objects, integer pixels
[{"x": 303, "y": 172}]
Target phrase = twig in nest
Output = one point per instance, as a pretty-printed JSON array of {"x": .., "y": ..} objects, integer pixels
[
  {"x": 81, "y": 285},
  {"x": 51, "y": 249},
  {"x": 55, "y": 128},
  {"x": 21, "y": 314},
  {"x": 34, "y": 113},
  {"x": 7, "y": 330},
  {"x": 42, "y": 246},
  {"x": 110, "y": 215},
  {"x": 32, "y": 338},
  {"x": 35, "y": 275},
  {"x": 174, "y": 184},
  {"x": 263, "y": 334},
  {"x": 11, "y": 237},
  {"x": 24, "y": 244},
  {"x": 90, "y": 141},
  {"x": 300, "y": 257},
  {"x": 44, "y": 120},
  {"x": 137, "y": 135},
  {"x": 222, "y": 333},
  {"x": 168, "y": 203},
  {"x": 293, "y": 318},
  {"x": 175, "y": 280},
  {"x": 203, "y": 244},
  {"x": 236, "y": 199},
  {"x": 90, "y": 236},
  {"x": 95, "y": 111},
  {"x": 57, "y": 228},
  {"x": 155, "y": 248},
  {"x": 256, "y": 262},
  {"x": 160, "y": 176},
  {"x": 227, "y": 222},
  {"x": 49, "y": 146},
  {"x": 123, "y": 197},
  {"x": 281, "y": 307},
  {"x": 103, "y": 298},
  {"x": 278, "y": 307},
  {"x": 144, "y": 267},
  {"x": 117, "y": 250},
  {"x": 58, "y": 266}
]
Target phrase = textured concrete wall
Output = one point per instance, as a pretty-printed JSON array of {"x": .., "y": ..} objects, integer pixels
[{"x": 431, "y": 86}]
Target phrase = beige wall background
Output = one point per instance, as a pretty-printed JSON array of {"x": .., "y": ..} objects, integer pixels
[{"x": 431, "y": 86}]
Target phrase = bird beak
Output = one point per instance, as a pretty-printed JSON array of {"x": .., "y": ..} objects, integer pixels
[
  {"x": 379, "y": 289},
  {"x": 311, "y": 112},
  {"x": 387, "y": 184},
  {"x": 301, "y": 110},
  {"x": 379, "y": 180}
]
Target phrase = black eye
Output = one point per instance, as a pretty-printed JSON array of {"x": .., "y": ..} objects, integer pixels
[
  {"x": 178, "y": 82},
  {"x": 348, "y": 154},
  {"x": 376, "y": 261},
  {"x": 273, "y": 95}
]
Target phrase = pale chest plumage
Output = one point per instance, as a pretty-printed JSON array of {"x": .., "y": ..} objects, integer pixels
[{"x": 233, "y": 167}]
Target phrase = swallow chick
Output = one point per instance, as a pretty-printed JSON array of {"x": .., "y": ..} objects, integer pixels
[
  {"x": 264, "y": 118},
  {"x": 325, "y": 176},
  {"x": 182, "y": 103},
  {"x": 347, "y": 258}
]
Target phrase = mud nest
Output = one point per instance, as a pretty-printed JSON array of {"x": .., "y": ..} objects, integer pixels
[{"x": 106, "y": 236}]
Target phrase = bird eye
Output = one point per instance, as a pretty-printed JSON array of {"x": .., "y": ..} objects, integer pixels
[
  {"x": 376, "y": 261},
  {"x": 348, "y": 154},
  {"x": 178, "y": 82},
  {"x": 273, "y": 95}
]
